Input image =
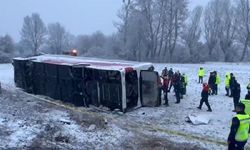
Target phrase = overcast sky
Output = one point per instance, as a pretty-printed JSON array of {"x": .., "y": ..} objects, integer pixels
[{"x": 78, "y": 16}]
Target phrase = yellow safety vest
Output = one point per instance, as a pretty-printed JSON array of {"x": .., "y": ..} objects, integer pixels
[
  {"x": 186, "y": 79},
  {"x": 242, "y": 132},
  {"x": 217, "y": 81},
  {"x": 227, "y": 81},
  {"x": 247, "y": 105},
  {"x": 201, "y": 72}
]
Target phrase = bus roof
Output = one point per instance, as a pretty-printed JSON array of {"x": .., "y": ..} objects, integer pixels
[{"x": 95, "y": 63}]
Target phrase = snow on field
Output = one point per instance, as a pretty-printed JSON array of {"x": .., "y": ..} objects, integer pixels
[
  {"x": 164, "y": 119},
  {"x": 7, "y": 74},
  {"x": 173, "y": 118}
]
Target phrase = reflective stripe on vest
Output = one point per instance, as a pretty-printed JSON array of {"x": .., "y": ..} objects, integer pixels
[{"x": 242, "y": 132}]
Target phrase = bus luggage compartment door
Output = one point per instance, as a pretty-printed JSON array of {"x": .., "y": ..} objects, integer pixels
[{"x": 149, "y": 89}]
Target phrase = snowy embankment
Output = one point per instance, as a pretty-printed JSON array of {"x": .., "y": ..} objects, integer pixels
[
  {"x": 164, "y": 122},
  {"x": 7, "y": 75}
]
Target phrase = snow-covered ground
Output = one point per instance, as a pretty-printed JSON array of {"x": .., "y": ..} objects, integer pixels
[
  {"x": 162, "y": 122},
  {"x": 7, "y": 74}
]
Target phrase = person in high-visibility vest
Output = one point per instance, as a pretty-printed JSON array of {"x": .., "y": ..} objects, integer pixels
[
  {"x": 201, "y": 74},
  {"x": 185, "y": 83},
  {"x": 238, "y": 135},
  {"x": 217, "y": 82},
  {"x": 246, "y": 102},
  {"x": 227, "y": 83}
]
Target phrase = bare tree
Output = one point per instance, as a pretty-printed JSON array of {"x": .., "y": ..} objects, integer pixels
[
  {"x": 124, "y": 15},
  {"x": 176, "y": 16},
  {"x": 192, "y": 32},
  {"x": 83, "y": 43},
  {"x": 212, "y": 23},
  {"x": 56, "y": 37},
  {"x": 158, "y": 24},
  {"x": 243, "y": 14},
  {"x": 98, "y": 39},
  {"x": 136, "y": 43},
  {"x": 33, "y": 32},
  {"x": 227, "y": 28},
  {"x": 7, "y": 44}
]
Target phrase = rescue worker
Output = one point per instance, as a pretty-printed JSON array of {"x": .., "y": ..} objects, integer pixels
[
  {"x": 182, "y": 86},
  {"x": 177, "y": 87},
  {"x": 201, "y": 74},
  {"x": 236, "y": 94},
  {"x": 231, "y": 83},
  {"x": 246, "y": 102},
  {"x": 227, "y": 80},
  {"x": 211, "y": 82},
  {"x": 165, "y": 86},
  {"x": 217, "y": 82},
  {"x": 239, "y": 131},
  {"x": 204, "y": 97},
  {"x": 164, "y": 72}
]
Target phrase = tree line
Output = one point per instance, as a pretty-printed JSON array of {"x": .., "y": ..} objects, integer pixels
[
  {"x": 152, "y": 30},
  {"x": 167, "y": 31}
]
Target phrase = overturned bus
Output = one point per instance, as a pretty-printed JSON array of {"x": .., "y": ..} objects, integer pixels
[{"x": 82, "y": 81}]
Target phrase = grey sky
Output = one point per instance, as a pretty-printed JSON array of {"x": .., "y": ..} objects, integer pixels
[{"x": 78, "y": 16}]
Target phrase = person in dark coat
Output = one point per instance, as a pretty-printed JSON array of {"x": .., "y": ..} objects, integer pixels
[
  {"x": 231, "y": 83},
  {"x": 177, "y": 87},
  {"x": 239, "y": 131},
  {"x": 170, "y": 73},
  {"x": 236, "y": 93},
  {"x": 211, "y": 82},
  {"x": 165, "y": 86},
  {"x": 204, "y": 97},
  {"x": 164, "y": 72},
  {"x": 247, "y": 97}
]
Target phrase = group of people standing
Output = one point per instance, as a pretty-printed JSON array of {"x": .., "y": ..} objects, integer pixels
[
  {"x": 232, "y": 87},
  {"x": 240, "y": 127},
  {"x": 176, "y": 80}
]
